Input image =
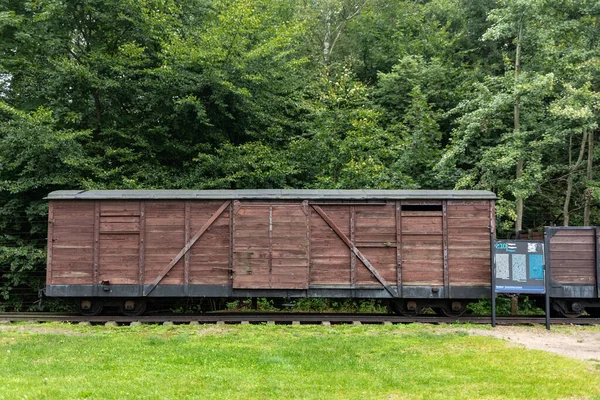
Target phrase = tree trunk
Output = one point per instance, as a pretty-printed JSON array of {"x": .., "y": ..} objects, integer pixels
[
  {"x": 572, "y": 169},
  {"x": 589, "y": 177},
  {"x": 517, "y": 127},
  {"x": 98, "y": 108},
  {"x": 514, "y": 305},
  {"x": 519, "y": 222},
  {"x": 590, "y": 161},
  {"x": 567, "y": 200},
  {"x": 327, "y": 38},
  {"x": 336, "y": 20}
]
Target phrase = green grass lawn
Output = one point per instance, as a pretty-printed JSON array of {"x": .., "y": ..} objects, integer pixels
[{"x": 60, "y": 361}]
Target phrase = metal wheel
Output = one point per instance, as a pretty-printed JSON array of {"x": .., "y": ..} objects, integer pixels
[
  {"x": 132, "y": 308},
  {"x": 404, "y": 307},
  {"x": 447, "y": 312},
  {"x": 90, "y": 308},
  {"x": 453, "y": 309},
  {"x": 452, "y": 313},
  {"x": 566, "y": 310}
]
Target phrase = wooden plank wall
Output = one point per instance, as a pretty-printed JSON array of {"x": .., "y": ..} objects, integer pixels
[
  {"x": 209, "y": 257},
  {"x": 165, "y": 237},
  {"x": 251, "y": 238},
  {"x": 572, "y": 256},
  {"x": 330, "y": 260},
  {"x": 71, "y": 242},
  {"x": 375, "y": 236},
  {"x": 289, "y": 247},
  {"x": 126, "y": 253},
  {"x": 270, "y": 246},
  {"x": 169, "y": 224},
  {"x": 119, "y": 241},
  {"x": 273, "y": 243},
  {"x": 469, "y": 243},
  {"x": 422, "y": 244}
]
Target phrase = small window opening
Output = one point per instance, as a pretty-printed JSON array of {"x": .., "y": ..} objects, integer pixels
[{"x": 422, "y": 207}]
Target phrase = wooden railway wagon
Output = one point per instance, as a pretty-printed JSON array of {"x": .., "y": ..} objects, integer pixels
[
  {"x": 573, "y": 265},
  {"x": 416, "y": 248}
]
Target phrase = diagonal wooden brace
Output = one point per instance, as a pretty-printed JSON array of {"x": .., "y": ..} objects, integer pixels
[
  {"x": 354, "y": 249},
  {"x": 186, "y": 248}
]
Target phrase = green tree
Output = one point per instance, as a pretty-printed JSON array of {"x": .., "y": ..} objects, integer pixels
[
  {"x": 36, "y": 158},
  {"x": 346, "y": 146},
  {"x": 509, "y": 126}
]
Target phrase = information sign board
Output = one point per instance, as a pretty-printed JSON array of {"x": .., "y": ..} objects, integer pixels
[{"x": 519, "y": 266}]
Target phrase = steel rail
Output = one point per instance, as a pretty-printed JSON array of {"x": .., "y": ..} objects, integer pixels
[{"x": 288, "y": 318}]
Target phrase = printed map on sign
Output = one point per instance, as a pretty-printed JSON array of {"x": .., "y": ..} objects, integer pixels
[
  {"x": 519, "y": 266},
  {"x": 536, "y": 266},
  {"x": 502, "y": 266}
]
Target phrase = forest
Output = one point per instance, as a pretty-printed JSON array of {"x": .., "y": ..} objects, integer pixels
[{"x": 501, "y": 95}]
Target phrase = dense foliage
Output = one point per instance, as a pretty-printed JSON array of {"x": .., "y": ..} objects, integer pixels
[{"x": 494, "y": 94}]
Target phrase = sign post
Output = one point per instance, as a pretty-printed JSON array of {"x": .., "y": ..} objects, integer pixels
[
  {"x": 547, "y": 296},
  {"x": 518, "y": 267}
]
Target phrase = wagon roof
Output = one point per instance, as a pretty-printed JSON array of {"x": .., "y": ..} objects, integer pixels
[{"x": 275, "y": 194}]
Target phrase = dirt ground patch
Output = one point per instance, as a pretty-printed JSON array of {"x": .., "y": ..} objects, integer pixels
[
  {"x": 39, "y": 329},
  {"x": 576, "y": 342}
]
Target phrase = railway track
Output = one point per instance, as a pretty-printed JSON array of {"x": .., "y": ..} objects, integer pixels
[{"x": 287, "y": 318}]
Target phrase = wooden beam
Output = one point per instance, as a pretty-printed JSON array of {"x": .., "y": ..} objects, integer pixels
[
  {"x": 187, "y": 247},
  {"x": 445, "y": 249},
  {"x": 142, "y": 246},
  {"x": 353, "y": 240},
  {"x": 186, "y": 260},
  {"x": 354, "y": 249},
  {"x": 270, "y": 259},
  {"x": 237, "y": 205},
  {"x": 231, "y": 241},
  {"x": 597, "y": 260},
  {"x": 379, "y": 204},
  {"x": 96, "y": 262},
  {"x": 399, "y": 244},
  {"x": 308, "y": 233},
  {"x": 50, "y": 242}
]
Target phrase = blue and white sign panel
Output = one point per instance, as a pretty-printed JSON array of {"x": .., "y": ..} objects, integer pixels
[{"x": 519, "y": 266}]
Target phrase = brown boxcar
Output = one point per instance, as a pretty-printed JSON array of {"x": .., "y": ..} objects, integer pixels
[
  {"x": 416, "y": 248},
  {"x": 573, "y": 263}
]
